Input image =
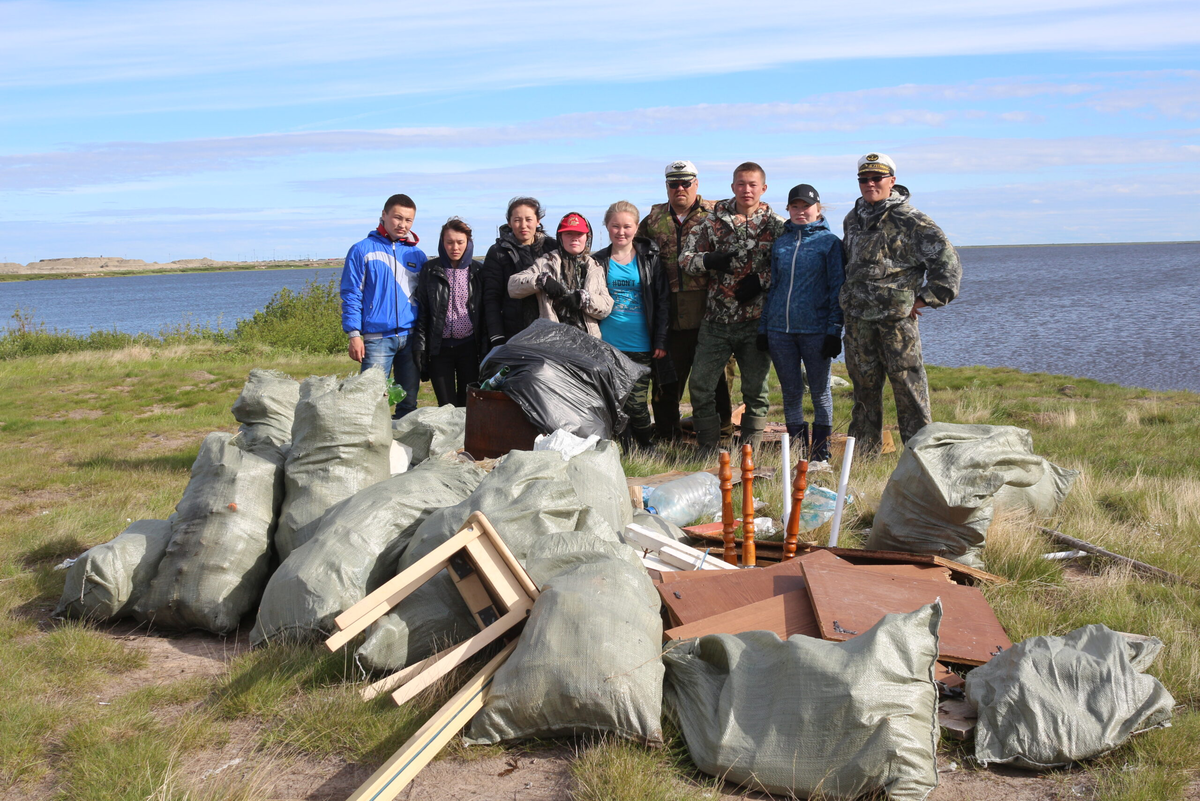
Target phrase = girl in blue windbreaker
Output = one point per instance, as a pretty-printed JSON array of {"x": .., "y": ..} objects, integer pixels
[{"x": 802, "y": 318}]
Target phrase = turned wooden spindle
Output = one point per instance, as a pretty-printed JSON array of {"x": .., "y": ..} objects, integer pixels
[
  {"x": 749, "y": 557},
  {"x": 799, "y": 485},
  {"x": 728, "y": 523}
]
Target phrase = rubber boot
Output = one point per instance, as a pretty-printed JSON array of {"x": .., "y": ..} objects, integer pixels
[
  {"x": 820, "y": 443},
  {"x": 752, "y": 431},
  {"x": 644, "y": 437},
  {"x": 799, "y": 435},
  {"x": 708, "y": 433}
]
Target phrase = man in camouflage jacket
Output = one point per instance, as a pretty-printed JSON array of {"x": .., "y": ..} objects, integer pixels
[
  {"x": 897, "y": 262},
  {"x": 669, "y": 224},
  {"x": 733, "y": 246}
]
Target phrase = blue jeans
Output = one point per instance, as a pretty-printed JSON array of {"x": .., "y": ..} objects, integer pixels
[
  {"x": 394, "y": 354},
  {"x": 787, "y": 352}
]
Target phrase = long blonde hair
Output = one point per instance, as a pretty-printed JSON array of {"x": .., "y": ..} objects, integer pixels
[{"x": 621, "y": 207}]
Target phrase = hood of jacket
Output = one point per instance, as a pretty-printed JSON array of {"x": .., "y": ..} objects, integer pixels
[
  {"x": 509, "y": 240},
  {"x": 869, "y": 213},
  {"x": 807, "y": 230},
  {"x": 466, "y": 257},
  {"x": 380, "y": 234}
]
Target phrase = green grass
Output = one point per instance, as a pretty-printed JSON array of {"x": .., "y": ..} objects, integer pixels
[{"x": 92, "y": 439}]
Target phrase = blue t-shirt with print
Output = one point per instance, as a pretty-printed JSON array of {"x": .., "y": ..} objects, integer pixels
[{"x": 625, "y": 328}]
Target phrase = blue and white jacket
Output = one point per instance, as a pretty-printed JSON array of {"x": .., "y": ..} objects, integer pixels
[
  {"x": 806, "y": 277},
  {"x": 379, "y": 284}
]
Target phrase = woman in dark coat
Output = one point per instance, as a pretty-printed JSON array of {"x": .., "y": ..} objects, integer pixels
[
  {"x": 522, "y": 241},
  {"x": 448, "y": 321}
]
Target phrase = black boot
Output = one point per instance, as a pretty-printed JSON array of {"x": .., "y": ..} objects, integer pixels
[
  {"x": 820, "y": 443},
  {"x": 644, "y": 437},
  {"x": 799, "y": 435}
]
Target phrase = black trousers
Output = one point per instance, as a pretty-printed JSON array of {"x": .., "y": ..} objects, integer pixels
[{"x": 452, "y": 369}]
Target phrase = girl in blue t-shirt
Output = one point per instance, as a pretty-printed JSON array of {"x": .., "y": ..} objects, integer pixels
[{"x": 637, "y": 324}]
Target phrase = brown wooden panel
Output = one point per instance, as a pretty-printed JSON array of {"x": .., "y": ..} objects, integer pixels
[
  {"x": 787, "y": 614},
  {"x": 701, "y": 596},
  {"x": 847, "y": 601},
  {"x": 961, "y": 572}
]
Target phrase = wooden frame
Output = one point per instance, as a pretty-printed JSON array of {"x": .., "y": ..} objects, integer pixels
[{"x": 492, "y": 582}]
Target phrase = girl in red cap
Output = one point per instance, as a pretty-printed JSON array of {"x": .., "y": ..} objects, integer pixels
[{"x": 569, "y": 284}]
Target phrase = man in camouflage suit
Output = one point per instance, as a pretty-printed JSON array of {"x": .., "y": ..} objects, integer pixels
[
  {"x": 897, "y": 263},
  {"x": 733, "y": 246},
  {"x": 669, "y": 224}
]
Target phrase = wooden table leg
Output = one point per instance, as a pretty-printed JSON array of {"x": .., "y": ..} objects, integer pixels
[
  {"x": 749, "y": 557},
  {"x": 728, "y": 524},
  {"x": 799, "y": 485}
]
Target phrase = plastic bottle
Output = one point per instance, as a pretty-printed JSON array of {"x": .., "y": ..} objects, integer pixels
[
  {"x": 686, "y": 499},
  {"x": 495, "y": 381},
  {"x": 395, "y": 393}
]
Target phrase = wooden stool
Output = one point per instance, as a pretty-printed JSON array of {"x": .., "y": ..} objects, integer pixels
[{"x": 492, "y": 582}]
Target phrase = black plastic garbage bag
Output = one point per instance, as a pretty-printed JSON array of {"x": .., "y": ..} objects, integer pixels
[{"x": 565, "y": 378}]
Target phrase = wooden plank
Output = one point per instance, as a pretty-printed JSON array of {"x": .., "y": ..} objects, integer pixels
[
  {"x": 961, "y": 572},
  {"x": 957, "y": 717},
  {"x": 673, "y": 553},
  {"x": 501, "y": 584},
  {"x": 479, "y": 520},
  {"x": 460, "y": 653},
  {"x": 395, "y": 774},
  {"x": 471, "y": 588},
  {"x": 697, "y": 599},
  {"x": 947, "y": 676},
  {"x": 848, "y": 601},
  {"x": 787, "y": 614}
]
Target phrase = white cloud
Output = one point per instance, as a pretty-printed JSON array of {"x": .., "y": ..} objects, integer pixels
[{"x": 409, "y": 48}]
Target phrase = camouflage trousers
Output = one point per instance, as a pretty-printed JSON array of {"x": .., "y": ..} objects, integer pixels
[
  {"x": 715, "y": 344},
  {"x": 891, "y": 348}
]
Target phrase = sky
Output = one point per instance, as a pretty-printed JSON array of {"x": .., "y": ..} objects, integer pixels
[{"x": 251, "y": 131}]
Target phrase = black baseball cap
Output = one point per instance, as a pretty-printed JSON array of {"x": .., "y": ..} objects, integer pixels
[{"x": 804, "y": 193}]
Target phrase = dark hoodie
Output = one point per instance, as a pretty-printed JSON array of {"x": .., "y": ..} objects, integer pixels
[
  {"x": 504, "y": 316},
  {"x": 433, "y": 294}
]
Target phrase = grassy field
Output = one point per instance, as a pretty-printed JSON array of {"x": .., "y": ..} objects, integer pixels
[{"x": 92, "y": 440}]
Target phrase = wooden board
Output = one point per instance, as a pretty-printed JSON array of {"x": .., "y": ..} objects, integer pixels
[
  {"x": 848, "y": 601},
  {"x": 957, "y": 717},
  {"x": 395, "y": 774},
  {"x": 787, "y": 614},
  {"x": 663, "y": 478},
  {"x": 962, "y": 573},
  {"x": 705, "y": 595},
  {"x": 947, "y": 676}
]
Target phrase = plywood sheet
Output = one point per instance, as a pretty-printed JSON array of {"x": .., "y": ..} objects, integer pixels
[
  {"x": 962, "y": 573},
  {"x": 847, "y": 601},
  {"x": 787, "y": 614}
]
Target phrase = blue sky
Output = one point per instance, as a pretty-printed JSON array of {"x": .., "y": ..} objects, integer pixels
[{"x": 256, "y": 130}]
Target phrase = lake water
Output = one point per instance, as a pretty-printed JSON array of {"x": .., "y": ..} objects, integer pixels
[{"x": 1127, "y": 314}]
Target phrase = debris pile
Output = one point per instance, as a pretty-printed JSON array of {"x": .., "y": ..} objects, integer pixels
[{"x": 822, "y": 670}]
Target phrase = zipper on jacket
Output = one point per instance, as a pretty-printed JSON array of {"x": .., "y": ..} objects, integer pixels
[{"x": 787, "y": 314}]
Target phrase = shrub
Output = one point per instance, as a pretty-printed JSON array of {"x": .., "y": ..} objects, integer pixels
[{"x": 309, "y": 320}]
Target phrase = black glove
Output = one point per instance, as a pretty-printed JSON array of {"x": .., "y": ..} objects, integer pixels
[
  {"x": 551, "y": 286},
  {"x": 748, "y": 288},
  {"x": 831, "y": 347},
  {"x": 573, "y": 300},
  {"x": 718, "y": 262},
  {"x": 421, "y": 360},
  {"x": 760, "y": 342}
]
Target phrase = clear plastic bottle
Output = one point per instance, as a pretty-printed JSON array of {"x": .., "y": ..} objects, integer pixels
[{"x": 686, "y": 499}]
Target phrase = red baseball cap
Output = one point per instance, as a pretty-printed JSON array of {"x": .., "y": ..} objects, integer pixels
[{"x": 574, "y": 222}]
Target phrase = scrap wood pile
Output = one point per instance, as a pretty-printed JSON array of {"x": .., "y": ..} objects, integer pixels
[{"x": 823, "y": 672}]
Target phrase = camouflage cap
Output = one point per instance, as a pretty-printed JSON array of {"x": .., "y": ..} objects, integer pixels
[
  {"x": 876, "y": 162},
  {"x": 681, "y": 169}
]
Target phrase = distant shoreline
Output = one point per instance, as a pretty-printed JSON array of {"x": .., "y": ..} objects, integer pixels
[
  {"x": 30, "y": 272},
  {"x": 168, "y": 269}
]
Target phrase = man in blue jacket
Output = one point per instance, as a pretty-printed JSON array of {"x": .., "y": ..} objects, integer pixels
[{"x": 379, "y": 281}]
